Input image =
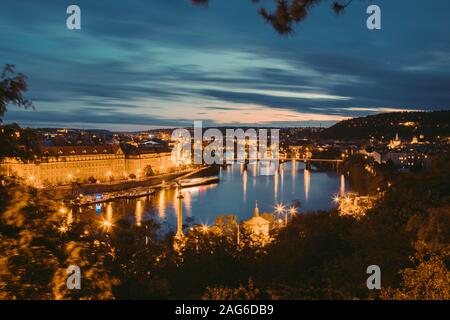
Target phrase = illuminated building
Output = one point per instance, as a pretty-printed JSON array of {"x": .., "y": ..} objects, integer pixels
[
  {"x": 409, "y": 159},
  {"x": 258, "y": 227},
  {"x": 66, "y": 164},
  {"x": 395, "y": 142},
  {"x": 351, "y": 204}
]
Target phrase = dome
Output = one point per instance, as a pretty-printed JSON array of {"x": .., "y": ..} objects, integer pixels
[{"x": 257, "y": 221}]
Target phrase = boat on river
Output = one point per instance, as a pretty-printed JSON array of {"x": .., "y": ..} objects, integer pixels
[{"x": 185, "y": 183}]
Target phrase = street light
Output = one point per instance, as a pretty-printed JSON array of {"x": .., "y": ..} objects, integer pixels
[
  {"x": 109, "y": 176},
  {"x": 292, "y": 211},
  {"x": 106, "y": 224},
  {"x": 62, "y": 229},
  {"x": 280, "y": 209}
]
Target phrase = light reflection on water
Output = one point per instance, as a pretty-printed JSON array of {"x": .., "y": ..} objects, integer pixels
[
  {"x": 307, "y": 182},
  {"x": 233, "y": 195}
]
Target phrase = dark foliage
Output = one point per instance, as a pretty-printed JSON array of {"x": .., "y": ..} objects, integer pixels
[
  {"x": 288, "y": 12},
  {"x": 19, "y": 143},
  {"x": 14, "y": 141},
  {"x": 12, "y": 87},
  {"x": 406, "y": 124}
]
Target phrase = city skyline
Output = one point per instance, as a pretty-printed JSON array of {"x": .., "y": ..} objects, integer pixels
[
  {"x": 137, "y": 66},
  {"x": 256, "y": 152}
]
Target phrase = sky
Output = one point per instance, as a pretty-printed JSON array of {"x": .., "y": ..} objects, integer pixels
[{"x": 138, "y": 64}]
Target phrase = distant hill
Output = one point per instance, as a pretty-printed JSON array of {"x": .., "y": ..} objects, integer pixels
[{"x": 406, "y": 124}]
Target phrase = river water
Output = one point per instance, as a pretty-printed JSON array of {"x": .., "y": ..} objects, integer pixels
[{"x": 238, "y": 190}]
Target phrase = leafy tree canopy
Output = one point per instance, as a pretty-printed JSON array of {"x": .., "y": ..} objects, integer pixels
[
  {"x": 12, "y": 87},
  {"x": 289, "y": 12}
]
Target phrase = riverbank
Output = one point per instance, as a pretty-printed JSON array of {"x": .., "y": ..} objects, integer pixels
[
  {"x": 201, "y": 176},
  {"x": 74, "y": 190}
]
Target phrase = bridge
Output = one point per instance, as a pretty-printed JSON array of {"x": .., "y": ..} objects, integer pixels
[
  {"x": 289, "y": 159},
  {"x": 334, "y": 162},
  {"x": 313, "y": 159}
]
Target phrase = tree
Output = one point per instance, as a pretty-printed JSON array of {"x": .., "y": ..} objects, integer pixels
[
  {"x": 27, "y": 228},
  {"x": 148, "y": 171},
  {"x": 138, "y": 261},
  {"x": 96, "y": 279},
  {"x": 428, "y": 280},
  {"x": 18, "y": 143},
  {"x": 38, "y": 241},
  {"x": 15, "y": 141},
  {"x": 248, "y": 292},
  {"x": 311, "y": 259},
  {"x": 431, "y": 229},
  {"x": 91, "y": 179},
  {"x": 288, "y": 12},
  {"x": 12, "y": 88},
  {"x": 365, "y": 174}
]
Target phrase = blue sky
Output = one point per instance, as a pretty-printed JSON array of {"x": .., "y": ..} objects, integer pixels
[{"x": 139, "y": 64}]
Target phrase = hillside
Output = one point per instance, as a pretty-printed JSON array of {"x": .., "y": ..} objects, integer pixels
[{"x": 406, "y": 124}]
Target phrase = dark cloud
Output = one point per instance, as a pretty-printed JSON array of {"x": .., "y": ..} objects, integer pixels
[
  {"x": 87, "y": 117},
  {"x": 161, "y": 54}
]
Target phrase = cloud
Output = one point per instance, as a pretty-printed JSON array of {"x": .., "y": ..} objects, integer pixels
[
  {"x": 287, "y": 94},
  {"x": 140, "y": 63}
]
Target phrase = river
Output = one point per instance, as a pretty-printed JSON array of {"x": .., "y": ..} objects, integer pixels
[{"x": 236, "y": 193}]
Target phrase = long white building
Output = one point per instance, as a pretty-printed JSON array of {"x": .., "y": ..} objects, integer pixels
[{"x": 62, "y": 165}]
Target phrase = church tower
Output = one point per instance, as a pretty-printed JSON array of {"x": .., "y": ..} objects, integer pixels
[
  {"x": 180, "y": 214},
  {"x": 256, "y": 210}
]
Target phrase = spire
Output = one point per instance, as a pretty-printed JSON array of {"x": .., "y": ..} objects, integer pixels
[
  {"x": 256, "y": 211},
  {"x": 180, "y": 214}
]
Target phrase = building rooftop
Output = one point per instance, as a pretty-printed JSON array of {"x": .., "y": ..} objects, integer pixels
[{"x": 52, "y": 151}]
